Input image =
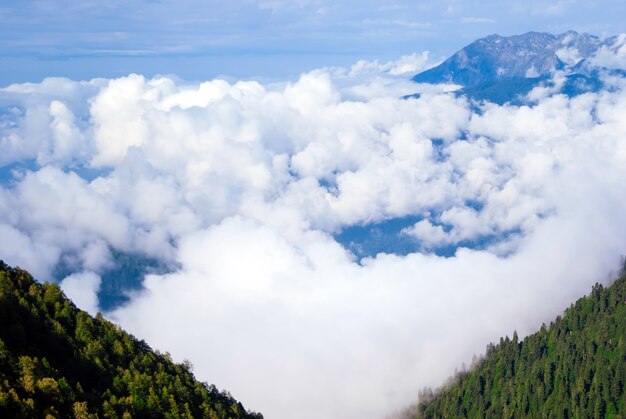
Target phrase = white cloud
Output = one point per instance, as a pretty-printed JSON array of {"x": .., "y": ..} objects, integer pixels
[
  {"x": 398, "y": 23},
  {"x": 18, "y": 249},
  {"x": 243, "y": 184},
  {"x": 82, "y": 289},
  {"x": 570, "y": 55},
  {"x": 279, "y": 6},
  {"x": 118, "y": 118},
  {"x": 612, "y": 55},
  {"x": 428, "y": 234},
  {"x": 407, "y": 64},
  {"x": 476, "y": 20},
  {"x": 67, "y": 140},
  {"x": 551, "y": 8},
  {"x": 51, "y": 199}
]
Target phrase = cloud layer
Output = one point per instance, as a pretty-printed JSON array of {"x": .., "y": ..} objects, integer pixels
[{"x": 242, "y": 186}]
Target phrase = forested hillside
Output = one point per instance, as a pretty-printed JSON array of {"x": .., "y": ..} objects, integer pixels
[
  {"x": 58, "y": 361},
  {"x": 574, "y": 368}
]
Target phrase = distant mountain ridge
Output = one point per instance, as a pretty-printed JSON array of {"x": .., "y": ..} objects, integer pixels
[
  {"x": 520, "y": 56},
  {"x": 499, "y": 68}
]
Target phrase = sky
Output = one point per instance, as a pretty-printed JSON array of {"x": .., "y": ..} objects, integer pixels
[
  {"x": 262, "y": 39},
  {"x": 242, "y": 186}
]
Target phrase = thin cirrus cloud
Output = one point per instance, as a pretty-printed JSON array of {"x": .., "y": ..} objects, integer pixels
[
  {"x": 477, "y": 20},
  {"x": 241, "y": 186}
]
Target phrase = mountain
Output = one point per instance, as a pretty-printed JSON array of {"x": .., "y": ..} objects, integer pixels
[
  {"x": 501, "y": 69},
  {"x": 575, "y": 367},
  {"x": 495, "y": 58},
  {"x": 58, "y": 361}
]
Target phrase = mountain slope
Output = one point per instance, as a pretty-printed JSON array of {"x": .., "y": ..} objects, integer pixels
[
  {"x": 57, "y": 360},
  {"x": 576, "y": 367}
]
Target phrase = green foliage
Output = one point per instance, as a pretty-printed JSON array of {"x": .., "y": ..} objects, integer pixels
[
  {"x": 58, "y": 361},
  {"x": 576, "y": 367}
]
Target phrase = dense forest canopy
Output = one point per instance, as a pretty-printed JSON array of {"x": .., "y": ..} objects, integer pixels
[
  {"x": 575, "y": 367},
  {"x": 58, "y": 361}
]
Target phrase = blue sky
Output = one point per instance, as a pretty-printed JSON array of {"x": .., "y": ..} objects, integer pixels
[{"x": 197, "y": 40}]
